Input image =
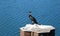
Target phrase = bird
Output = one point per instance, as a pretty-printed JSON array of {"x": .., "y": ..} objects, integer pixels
[{"x": 34, "y": 21}]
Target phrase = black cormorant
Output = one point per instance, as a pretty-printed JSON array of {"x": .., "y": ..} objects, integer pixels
[{"x": 32, "y": 18}]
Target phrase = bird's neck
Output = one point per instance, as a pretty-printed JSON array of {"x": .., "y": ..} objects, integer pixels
[{"x": 30, "y": 15}]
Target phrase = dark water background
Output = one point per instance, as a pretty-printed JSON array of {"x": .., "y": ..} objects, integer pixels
[{"x": 14, "y": 14}]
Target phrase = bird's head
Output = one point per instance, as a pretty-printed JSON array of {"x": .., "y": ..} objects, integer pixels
[{"x": 30, "y": 13}]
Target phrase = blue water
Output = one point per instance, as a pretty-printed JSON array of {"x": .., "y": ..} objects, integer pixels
[{"x": 14, "y": 15}]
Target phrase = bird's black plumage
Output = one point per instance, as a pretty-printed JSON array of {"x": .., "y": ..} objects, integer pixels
[{"x": 34, "y": 21}]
